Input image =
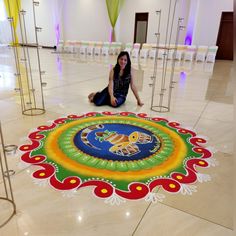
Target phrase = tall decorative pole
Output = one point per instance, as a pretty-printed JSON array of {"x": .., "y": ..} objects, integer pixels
[
  {"x": 7, "y": 193},
  {"x": 163, "y": 102},
  {"x": 154, "y": 76},
  {"x": 172, "y": 82},
  {"x": 31, "y": 104}
]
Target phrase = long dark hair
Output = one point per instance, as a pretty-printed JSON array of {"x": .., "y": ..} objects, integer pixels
[{"x": 127, "y": 67}]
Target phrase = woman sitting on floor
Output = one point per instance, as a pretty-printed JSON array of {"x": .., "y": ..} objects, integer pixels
[{"x": 120, "y": 78}]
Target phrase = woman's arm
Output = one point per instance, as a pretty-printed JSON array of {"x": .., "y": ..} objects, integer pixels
[
  {"x": 135, "y": 91},
  {"x": 110, "y": 87}
]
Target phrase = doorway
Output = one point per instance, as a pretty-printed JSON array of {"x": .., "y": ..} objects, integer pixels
[
  {"x": 140, "y": 27},
  {"x": 225, "y": 37}
]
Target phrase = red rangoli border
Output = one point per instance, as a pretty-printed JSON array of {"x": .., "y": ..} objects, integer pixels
[{"x": 104, "y": 189}]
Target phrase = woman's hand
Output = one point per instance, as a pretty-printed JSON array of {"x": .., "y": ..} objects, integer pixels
[
  {"x": 113, "y": 101},
  {"x": 140, "y": 103}
]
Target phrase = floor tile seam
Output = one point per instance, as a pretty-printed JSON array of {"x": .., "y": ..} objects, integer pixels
[
  {"x": 200, "y": 116},
  {"x": 197, "y": 216},
  {"x": 142, "y": 217},
  {"x": 136, "y": 228},
  {"x": 189, "y": 100},
  {"x": 50, "y": 96},
  {"x": 8, "y": 121},
  {"x": 225, "y": 121},
  {"x": 182, "y": 113},
  {"x": 69, "y": 84},
  {"x": 22, "y": 116},
  {"x": 48, "y": 107}
]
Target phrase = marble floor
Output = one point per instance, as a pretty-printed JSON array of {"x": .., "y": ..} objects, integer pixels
[{"x": 202, "y": 99}]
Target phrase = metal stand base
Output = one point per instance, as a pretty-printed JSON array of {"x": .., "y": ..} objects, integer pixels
[
  {"x": 34, "y": 111},
  {"x": 13, "y": 212},
  {"x": 160, "y": 108},
  {"x": 6, "y": 181}
]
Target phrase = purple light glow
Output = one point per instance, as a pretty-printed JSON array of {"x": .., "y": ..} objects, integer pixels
[
  {"x": 188, "y": 40},
  {"x": 57, "y": 31},
  {"x": 192, "y": 19},
  {"x": 182, "y": 80},
  {"x": 183, "y": 76},
  {"x": 59, "y": 65}
]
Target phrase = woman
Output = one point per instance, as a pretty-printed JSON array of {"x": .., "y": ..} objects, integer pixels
[{"x": 120, "y": 78}]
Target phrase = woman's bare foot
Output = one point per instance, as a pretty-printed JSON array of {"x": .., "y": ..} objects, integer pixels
[{"x": 91, "y": 96}]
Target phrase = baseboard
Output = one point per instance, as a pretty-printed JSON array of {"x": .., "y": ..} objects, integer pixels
[{"x": 35, "y": 45}]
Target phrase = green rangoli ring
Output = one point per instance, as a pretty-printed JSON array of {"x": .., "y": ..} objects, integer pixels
[
  {"x": 123, "y": 155},
  {"x": 70, "y": 150}
]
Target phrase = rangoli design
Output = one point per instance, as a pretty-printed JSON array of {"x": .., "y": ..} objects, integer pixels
[{"x": 122, "y": 155}]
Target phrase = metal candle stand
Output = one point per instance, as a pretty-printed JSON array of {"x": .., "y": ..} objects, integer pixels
[
  {"x": 31, "y": 104},
  {"x": 163, "y": 102},
  {"x": 6, "y": 181}
]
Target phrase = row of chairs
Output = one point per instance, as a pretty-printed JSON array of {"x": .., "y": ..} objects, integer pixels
[
  {"x": 179, "y": 52},
  {"x": 90, "y": 47},
  {"x": 98, "y": 48}
]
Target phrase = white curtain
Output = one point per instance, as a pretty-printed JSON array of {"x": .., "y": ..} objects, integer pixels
[{"x": 5, "y": 29}]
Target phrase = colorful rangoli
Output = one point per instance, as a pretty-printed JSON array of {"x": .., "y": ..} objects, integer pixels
[{"x": 122, "y": 155}]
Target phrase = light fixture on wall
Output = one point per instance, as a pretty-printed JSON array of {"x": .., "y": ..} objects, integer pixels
[{"x": 191, "y": 22}]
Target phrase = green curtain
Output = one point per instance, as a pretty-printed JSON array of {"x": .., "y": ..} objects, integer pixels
[
  {"x": 13, "y": 12},
  {"x": 113, "y": 8}
]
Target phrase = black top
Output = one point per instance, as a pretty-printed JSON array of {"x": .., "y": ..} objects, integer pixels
[{"x": 121, "y": 84}]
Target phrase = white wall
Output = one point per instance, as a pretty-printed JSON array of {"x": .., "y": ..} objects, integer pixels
[
  {"x": 86, "y": 20},
  {"x": 44, "y": 19},
  {"x": 5, "y": 30},
  {"x": 208, "y": 20},
  {"x": 127, "y": 18}
]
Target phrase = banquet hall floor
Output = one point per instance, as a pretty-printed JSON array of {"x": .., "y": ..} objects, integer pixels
[{"x": 202, "y": 99}]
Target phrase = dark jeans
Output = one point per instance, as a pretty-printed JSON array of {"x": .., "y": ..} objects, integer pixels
[{"x": 103, "y": 98}]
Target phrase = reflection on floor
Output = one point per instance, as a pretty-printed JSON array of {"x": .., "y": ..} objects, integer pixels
[{"x": 202, "y": 99}]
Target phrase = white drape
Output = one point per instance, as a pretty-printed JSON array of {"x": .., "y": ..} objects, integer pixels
[{"x": 5, "y": 29}]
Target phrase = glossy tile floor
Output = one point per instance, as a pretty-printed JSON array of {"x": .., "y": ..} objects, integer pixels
[{"x": 202, "y": 99}]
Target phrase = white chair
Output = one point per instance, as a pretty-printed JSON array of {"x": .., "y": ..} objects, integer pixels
[
  {"x": 201, "y": 53},
  {"x": 152, "y": 51},
  {"x": 128, "y": 47},
  {"x": 161, "y": 51},
  {"x": 115, "y": 48},
  {"x": 135, "y": 50},
  {"x": 105, "y": 48},
  {"x": 98, "y": 48},
  {"x": 72, "y": 46},
  {"x": 118, "y": 47},
  {"x": 83, "y": 47},
  {"x": 90, "y": 48},
  {"x": 180, "y": 52},
  {"x": 68, "y": 46},
  {"x": 60, "y": 46},
  {"x": 144, "y": 50},
  {"x": 211, "y": 54},
  {"x": 112, "y": 49},
  {"x": 190, "y": 53},
  {"x": 77, "y": 46},
  {"x": 170, "y": 51}
]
